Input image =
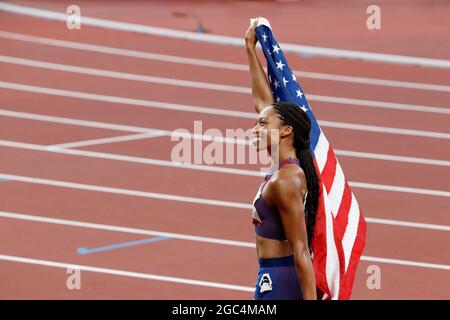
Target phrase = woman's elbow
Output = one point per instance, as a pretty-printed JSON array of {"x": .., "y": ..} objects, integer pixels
[{"x": 301, "y": 253}]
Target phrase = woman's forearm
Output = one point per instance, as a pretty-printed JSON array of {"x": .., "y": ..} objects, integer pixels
[
  {"x": 305, "y": 272},
  {"x": 262, "y": 94}
]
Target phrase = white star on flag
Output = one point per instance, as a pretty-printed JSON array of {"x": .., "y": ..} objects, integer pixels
[
  {"x": 285, "y": 81},
  {"x": 280, "y": 65},
  {"x": 294, "y": 78},
  {"x": 278, "y": 99},
  {"x": 265, "y": 37},
  {"x": 276, "y": 48},
  {"x": 276, "y": 84},
  {"x": 304, "y": 108},
  {"x": 299, "y": 93}
]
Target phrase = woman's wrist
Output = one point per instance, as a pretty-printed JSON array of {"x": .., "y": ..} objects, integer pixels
[{"x": 249, "y": 45}]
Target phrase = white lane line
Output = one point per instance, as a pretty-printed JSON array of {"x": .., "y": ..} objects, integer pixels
[
  {"x": 387, "y": 130},
  {"x": 152, "y": 104},
  {"x": 132, "y": 159},
  {"x": 387, "y": 157},
  {"x": 243, "y": 244},
  {"x": 373, "y": 81},
  {"x": 126, "y": 192},
  {"x": 129, "y": 101},
  {"x": 123, "y": 273},
  {"x": 74, "y": 122},
  {"x": 407, "y": 263},
  {"x": 123, "y": 75},
  {"x": 212, "y": 86},
  {"x": 215, "y": 64},
  {"x": 97, "y": 226},
  {"x": 224, "y": 40},
  {"x": 125, "y": 158},
  {"x": 92, "y": 142},
  {"x": 408, "y": 224},
  {"x": 373, "y": 186},
  {"x": 113, "y": 126},
  {"x": 379, "y": 104},
  {"x": 212, "y": 202},
  {"x": 104, "y": 125},
  {"x": 208, "y": 168}
]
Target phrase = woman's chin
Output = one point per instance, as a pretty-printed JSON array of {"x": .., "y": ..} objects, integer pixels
[{"x": 256, "y": 144}]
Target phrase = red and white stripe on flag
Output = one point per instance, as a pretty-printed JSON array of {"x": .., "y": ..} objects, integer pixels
[{"x": 340, "y": 231}]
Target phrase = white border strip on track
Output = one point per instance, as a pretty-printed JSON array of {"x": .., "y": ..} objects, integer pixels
[
  {"x": 209, "y": 168},
  {"x": 212, "y": 111},
  {"x": 93, "y": 142},
  {"x": 124, "y": 273},
  {"x": 129, "y": 101},
  {"x": 408, "y": 224},
  {"x": 213, "y": 202},
  {"x": 112, "y": 126},
  {"x": 387, "y": 157},
  {"x": 81, "y": 224},
  {"x": 216, "y": 64},
  {"x": 126, "y": 192},
  {"x": 132, "y": 159},
  {"x": 148, "y": 276},
  {"x": 97, "y": 226},
  {"x": 120, "y": 127},
  {"x": 213, "y": 86},
  {"x": 225, "y": 40},
  {"x": 384, "y": 187},
  {"x": 105, "y": 227},
  {"x": 406, "y": 263}
]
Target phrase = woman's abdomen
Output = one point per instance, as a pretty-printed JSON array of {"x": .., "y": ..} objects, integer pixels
[{"x": 269, "y": 248}]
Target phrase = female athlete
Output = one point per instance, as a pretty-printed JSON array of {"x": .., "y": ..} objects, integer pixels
[{"x": 286, "y": 204}]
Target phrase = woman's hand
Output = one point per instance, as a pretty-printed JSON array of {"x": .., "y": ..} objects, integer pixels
[{"x": 250, "y": 35}]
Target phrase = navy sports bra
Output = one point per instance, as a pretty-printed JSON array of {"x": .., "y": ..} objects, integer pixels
[{"x": 267, "y": 218}]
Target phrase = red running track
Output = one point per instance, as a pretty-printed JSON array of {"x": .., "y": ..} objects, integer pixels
[{"x": 73, "y": 190}]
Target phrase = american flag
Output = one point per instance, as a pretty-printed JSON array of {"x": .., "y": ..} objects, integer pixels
[{"x": 340, "y": 230}]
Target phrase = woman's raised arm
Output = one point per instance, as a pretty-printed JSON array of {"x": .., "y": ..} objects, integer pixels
[{"x": 262, "y": 94}]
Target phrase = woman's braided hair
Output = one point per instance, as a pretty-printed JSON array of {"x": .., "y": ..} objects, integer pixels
[{"x": 292, "y": 115}]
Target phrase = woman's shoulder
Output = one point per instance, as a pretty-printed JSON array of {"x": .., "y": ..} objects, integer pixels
[
  {"x": 287, "y": 181},
  {"x": 290, "y": 174}
]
